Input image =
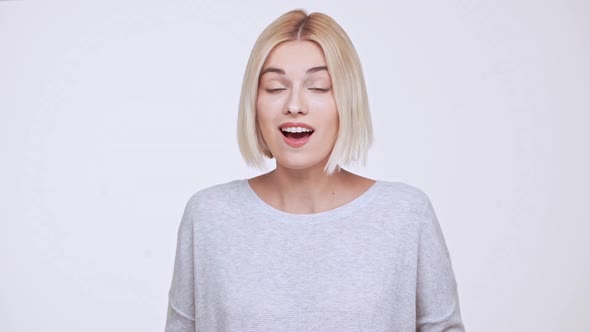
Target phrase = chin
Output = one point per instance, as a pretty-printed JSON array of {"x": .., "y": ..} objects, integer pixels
[{"x": 299, "y": 163}]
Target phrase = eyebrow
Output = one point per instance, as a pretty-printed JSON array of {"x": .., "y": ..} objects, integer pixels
[{"x": 282, "y": 72}]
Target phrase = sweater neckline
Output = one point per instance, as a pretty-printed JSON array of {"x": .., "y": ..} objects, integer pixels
[{"x": 253, "y": 200}]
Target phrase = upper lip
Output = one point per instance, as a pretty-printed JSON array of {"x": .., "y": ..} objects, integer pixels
[{"x": 295, "y": 124}]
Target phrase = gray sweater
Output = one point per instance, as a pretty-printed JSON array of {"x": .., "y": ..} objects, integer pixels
[{"x": 378, "y": 263}]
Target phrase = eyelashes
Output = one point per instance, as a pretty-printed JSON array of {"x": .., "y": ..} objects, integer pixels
[
  {"x": 319, "y": 89},
  {"x": 277, "y": 90}
]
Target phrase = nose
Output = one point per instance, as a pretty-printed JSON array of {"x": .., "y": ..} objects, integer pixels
[
  {"x": 296, "y": 103},
  {"x": 295, "y": 109}
]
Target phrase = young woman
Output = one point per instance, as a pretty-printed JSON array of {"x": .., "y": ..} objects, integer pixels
[{"x": 309, "y": 246}]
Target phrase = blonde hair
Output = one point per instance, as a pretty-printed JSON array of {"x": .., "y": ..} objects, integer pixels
[{"x": 355, "y": 133}]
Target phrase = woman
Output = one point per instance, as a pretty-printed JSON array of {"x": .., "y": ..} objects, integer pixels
[{"x": 309, "y": 246}]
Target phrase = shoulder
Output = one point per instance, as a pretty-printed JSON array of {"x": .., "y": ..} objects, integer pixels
[
  {"x": 402, "y": 193},
  {"x": 403, "y": 203},
  {"x": 212, "y": 203},
  {"x": 218, "y": 195}
]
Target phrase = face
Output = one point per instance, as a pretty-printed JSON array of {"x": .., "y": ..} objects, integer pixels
[{"x": 296, "y": 110}]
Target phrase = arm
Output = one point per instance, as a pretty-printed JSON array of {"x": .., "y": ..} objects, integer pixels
[
  {"x": 437, "y": 302},
  {"x": 181, "y": 305}
]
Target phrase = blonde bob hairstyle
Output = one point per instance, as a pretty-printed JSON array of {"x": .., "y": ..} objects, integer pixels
[{"x": 355, "y": 132}]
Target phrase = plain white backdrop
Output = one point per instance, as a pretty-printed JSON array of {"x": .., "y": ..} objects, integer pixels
[{"x": 113, "y": 113}]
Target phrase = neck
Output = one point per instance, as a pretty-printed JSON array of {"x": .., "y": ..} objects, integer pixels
[{"x": 306, "y": 191}]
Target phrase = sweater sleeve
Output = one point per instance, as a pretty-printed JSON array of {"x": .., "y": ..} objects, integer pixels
[
  {"x": 181, "y": 305},
  {"x": 437, "y": 302}
]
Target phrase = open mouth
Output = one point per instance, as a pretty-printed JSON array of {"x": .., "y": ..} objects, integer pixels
[{"x": 296, "y": 133}]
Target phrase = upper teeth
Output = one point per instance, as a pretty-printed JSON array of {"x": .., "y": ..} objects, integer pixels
[{"x": 296, "y": 130}]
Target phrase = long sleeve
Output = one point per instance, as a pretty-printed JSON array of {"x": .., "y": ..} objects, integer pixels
[
  {"x": 437, "y": 303},
  {"x": 181, "y": 306}
]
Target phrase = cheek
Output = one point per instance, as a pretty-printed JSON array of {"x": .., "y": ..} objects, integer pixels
[
  {"x": 265, "y": 104},
  {"x": 270, "y": 103},
  {"x": 324, "y": 101},
  {"x": 269, "y": 107},
  {"x": 264, "y": 118},
  {"x": 329, "y": 114},
  {"x": 335, "y": 127}
]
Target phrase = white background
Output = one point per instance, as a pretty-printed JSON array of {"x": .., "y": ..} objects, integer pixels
[{"x": 113, "y": 113}]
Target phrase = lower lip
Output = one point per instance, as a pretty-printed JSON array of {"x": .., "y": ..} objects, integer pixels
[{"x": 296, "y": 143}]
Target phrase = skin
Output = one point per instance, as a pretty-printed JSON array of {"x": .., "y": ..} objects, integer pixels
[{"x": 295, "y": 86}]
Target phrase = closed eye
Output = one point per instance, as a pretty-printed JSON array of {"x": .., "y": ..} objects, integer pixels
[
  {"x": 319, "y": 89},
  {"x": 275, "y": 90}
]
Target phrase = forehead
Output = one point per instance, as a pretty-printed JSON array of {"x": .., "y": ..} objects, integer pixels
[{"x": 299, "y": 54}]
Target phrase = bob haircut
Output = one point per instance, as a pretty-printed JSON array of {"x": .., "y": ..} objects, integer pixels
[{"x": 355, "y": 131}]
